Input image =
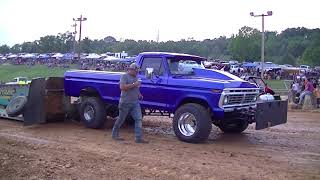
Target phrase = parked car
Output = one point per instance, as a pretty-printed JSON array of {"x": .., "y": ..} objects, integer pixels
[
  {"x": 188, "y": 66},
  {"x": 19, "y": 80},
  {"x": 234, "y": 68},
  {"x": 305, "y": 68},
  {"x": 233, "y": 62}
]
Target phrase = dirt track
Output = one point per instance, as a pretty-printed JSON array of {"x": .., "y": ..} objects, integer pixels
[{"x": 70, "y": 151}]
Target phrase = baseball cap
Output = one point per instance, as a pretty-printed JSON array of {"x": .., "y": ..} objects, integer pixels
[{"x": 134, "y": 66}]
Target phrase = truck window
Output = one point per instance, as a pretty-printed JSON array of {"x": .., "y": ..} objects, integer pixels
[
  {"x": 155, "y": 63},
  {"x": 183, "y": 67}
]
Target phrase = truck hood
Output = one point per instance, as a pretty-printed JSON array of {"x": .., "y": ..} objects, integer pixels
[{"x": 213, "y": 79}]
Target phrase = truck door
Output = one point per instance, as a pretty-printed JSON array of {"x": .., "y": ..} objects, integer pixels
[{"x": 153, "y": 90}]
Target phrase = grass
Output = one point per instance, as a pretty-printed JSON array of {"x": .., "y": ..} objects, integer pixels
[
  {"x": 8, "y": 72},
  {"x": 278, "y": 84}
]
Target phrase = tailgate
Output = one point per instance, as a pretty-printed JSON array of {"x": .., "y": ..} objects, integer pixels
[{"x": 270, "y": 114}]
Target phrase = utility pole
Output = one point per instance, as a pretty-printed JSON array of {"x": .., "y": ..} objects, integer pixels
[
  {"x": 262, "y": 48},
  {"x": 158, "y": 36},
  {"x": 269, "y": 13},
  {"x": 80, "y": 19},
  {"x": 74, "y": 37}
]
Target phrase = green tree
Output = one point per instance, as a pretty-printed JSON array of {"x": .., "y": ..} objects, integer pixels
[
  {"x": 246, "y": 44},
  {"x": 312, "y": 56},
  {"x": 85, "y": 45},
  {"x": 291, "y": 46},
  {"x": 4, "y": 49},
  {"x": 16, "y": 48}
]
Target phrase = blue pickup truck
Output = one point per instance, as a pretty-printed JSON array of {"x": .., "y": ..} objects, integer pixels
[{"x": 178, "y": 85}]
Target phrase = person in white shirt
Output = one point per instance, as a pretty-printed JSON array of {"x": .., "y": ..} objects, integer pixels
[{"x": 295, "y": 89}]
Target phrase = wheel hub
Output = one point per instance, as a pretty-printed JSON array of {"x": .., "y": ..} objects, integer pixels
[
  {"x": 187, "y": 124},
  {"x": 88, "y": 113}
]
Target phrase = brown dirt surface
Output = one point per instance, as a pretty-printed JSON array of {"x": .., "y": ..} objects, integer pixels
[{"x": 70, "y": 151}]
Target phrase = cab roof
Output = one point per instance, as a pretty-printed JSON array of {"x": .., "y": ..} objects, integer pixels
[{"x": 178, "y": 55}]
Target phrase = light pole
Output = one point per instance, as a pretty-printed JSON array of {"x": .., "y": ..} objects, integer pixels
[
  {"x": 74, "y": 37},
  {"x": 269, "y": 13},
  {"x": 80, "y": 19}
]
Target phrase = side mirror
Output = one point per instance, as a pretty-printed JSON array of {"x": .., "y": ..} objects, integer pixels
[{"x": 149, "y": 73}]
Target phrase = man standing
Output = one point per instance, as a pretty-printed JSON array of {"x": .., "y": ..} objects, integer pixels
[
  {"x": 308, "y": 90},
  {"x": 129, "y": 103},
  {"x": 295, "y": 91}
]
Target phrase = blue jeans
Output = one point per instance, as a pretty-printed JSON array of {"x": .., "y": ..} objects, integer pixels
[
  {"x": 302, "y": 95},
  {"x": 134, "y": 110}
]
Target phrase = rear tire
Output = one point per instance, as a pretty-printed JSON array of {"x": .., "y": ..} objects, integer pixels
[
  {"x": 235, "y": 127},
  {"x": 192, "y": 123},
  {"x": 93, "y": 112}
]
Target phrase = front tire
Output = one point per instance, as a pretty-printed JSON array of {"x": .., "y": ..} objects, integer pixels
[
  {"x": 192, "y": 123},
  {"x": 93, "y": 112},
  {"x": 234, "y": 127}
]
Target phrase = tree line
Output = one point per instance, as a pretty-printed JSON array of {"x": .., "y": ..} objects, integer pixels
[{"x": 292, "y": 46}]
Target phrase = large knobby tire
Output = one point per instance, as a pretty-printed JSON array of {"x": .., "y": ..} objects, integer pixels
[
  {"x": 192, "y": 123},
  {"x": 16, "y": 106},
  {"x": 238, "y": 126},
  {"x": 93, "y": 112}
]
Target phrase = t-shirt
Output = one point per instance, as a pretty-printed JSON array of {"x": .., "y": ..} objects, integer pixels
[
  {"x": 131, "y": 95},
  {"x": 309, "y": 87},
  {"x": 295, "y": 87}
]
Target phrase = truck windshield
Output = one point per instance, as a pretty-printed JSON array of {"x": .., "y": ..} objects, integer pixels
[{"x": 183, "y": 67}]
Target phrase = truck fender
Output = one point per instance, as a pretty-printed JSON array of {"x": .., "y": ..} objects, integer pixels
[
  {"x": 89, "y": 91},
  {"x": 192, "y": 99}
]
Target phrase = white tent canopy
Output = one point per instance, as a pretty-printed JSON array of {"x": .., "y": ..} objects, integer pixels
[
  {"x": 110, "y": 58},
  {"x": 28, "y": 56},
  {"x": 104, "y": 55},
  {"x": 12, "y": 56},
  {"x": 58, "y": 55},
  {"x": 93, "y": 56}
]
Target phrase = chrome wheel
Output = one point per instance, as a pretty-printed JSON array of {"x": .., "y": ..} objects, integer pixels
[
  {"x": 88, "y": 113},
  {"x": 187, "y": 124}
]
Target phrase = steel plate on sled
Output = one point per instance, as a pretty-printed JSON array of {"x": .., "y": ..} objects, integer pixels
[{"x": 270, "y": 114}]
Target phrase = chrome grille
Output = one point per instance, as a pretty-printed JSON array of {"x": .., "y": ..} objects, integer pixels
[
  {"x": 235, "y": 98},
  {"x": 238, "y": 97},
  {"x": 241, "y": 90},
  {"x": 249, "y": 98}
]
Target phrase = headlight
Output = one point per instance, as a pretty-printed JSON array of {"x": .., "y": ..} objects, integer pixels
[
  {"x": 225, "y": 100},
  {"x": 255, "y": 99}
]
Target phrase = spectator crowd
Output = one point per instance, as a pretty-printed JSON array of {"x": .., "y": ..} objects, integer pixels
[
  {"x": 270, "y": 70},
  {"x": 83, "y": 64}
]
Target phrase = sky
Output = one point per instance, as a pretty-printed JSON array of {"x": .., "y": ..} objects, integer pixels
[{"x": 28, "y": 20}]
